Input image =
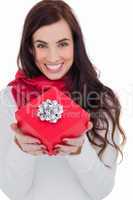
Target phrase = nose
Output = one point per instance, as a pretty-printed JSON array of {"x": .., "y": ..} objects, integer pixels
[{"x": 53, "y": 55}]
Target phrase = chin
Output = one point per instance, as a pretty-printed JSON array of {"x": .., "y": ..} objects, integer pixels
[{"x": 53, "y": 77}]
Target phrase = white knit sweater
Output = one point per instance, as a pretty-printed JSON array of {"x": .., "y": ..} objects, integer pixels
[{"x": 70, "y": 177}]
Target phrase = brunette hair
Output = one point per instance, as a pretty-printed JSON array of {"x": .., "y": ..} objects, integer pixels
[{"x": 102, "y": 102}]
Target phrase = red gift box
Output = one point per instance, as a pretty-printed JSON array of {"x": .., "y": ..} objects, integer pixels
[{"x": 36, "y": 120}]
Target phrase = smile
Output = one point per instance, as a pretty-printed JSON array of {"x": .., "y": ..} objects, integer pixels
[{"x": 54, "y": 68}]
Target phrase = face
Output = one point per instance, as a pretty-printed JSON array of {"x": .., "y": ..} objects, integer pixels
[{"x": 53, "y": 49}]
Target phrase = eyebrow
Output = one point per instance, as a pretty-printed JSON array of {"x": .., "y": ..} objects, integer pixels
[{"x": 62, "y": 40}]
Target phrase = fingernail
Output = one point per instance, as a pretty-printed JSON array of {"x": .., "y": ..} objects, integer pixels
[
  {"x": 65, "y": 140},
  {"x": 45, "y": 152},
  {"x": 43, "y": 146},
  {"x": 57, "y": 148},
  {"x": 56, "y": 151},
  {"x": 90, "y": 127},
  {"x": 12, "y": 125}
]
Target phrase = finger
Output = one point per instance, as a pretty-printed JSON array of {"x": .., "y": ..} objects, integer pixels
[
  {"x": 66, "y": 149},
  {"x": 36, "y": 153},
  {"x": 90, "y": 125},
  {"x": 42, "y": 151},
  {"x": 25, "y": 138},
  {"x": 14, "y": 127},
  {"x": 78, "y": 141},
  {"x": 62, "y": 154},
  {"x": 89, "y": 115},
  {"x": 32, "y": 147}
]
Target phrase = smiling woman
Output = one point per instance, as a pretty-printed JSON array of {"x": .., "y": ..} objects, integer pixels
[{"x": 52, "y": 53}]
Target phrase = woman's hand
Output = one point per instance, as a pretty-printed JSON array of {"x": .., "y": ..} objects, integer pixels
[
  {"x": 26, "y": 143},
  {"x": 73, "y": 145}
]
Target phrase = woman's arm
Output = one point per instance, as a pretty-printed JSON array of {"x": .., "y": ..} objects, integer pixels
[
  {"x": 96, "y": 179},
  {"x": 16, "y": 167}
]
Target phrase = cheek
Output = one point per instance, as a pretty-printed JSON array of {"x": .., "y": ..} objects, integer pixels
[
  {"x": 68, "y": 53},
  {"x": 39, "y": 55}
]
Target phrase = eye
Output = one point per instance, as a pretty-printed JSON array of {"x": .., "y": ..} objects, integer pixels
[
  {"x": 41, "y": 46},
  {"x": 64, "y": 44}
]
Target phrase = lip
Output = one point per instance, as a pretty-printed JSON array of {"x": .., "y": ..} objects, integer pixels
[{"x": 54, "y": 70}]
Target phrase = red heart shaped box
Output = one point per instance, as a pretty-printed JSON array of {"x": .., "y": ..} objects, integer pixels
[{"x": 73, "y": 123}]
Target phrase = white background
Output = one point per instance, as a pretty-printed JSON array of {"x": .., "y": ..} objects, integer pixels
[{"x": 108, "y": 33}]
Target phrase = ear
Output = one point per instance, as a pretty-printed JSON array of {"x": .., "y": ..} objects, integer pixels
[{"x": 31, "y": 50}]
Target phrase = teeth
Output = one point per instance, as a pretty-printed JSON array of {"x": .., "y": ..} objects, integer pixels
[{"x": 54, "y": 67}]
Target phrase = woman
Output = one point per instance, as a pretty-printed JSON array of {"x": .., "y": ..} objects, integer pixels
[{"x": 52, "y": 52}]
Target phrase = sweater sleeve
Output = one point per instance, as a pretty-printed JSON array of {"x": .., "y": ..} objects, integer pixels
[
  {"x": 95, "y": 178},
  {"x": 16, "y": 167}
]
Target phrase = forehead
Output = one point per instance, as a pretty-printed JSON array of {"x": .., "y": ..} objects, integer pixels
[{"x": 53, "y": 32}]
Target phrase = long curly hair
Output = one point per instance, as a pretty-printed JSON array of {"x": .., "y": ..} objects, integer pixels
[{"x": 100, "y": 101}]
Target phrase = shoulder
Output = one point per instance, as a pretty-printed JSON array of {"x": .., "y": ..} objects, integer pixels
[
  {"x": 7, "y": 102},
  {"x": 6, "y": 95},
  {"x": 5, "y": 91}
]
